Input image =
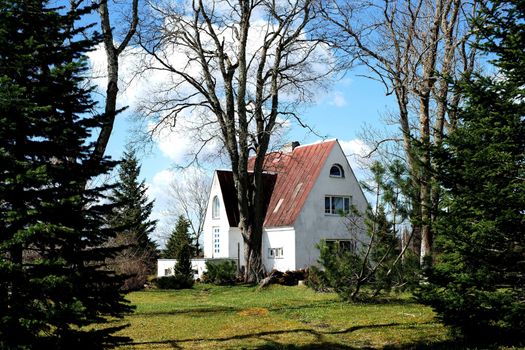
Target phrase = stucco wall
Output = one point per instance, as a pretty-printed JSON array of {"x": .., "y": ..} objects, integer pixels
[
  {"x": 210, "y": 223},
  {"x": 283, "y": 237},
  {"x": 165, "y": 267},
  {"x": 313, "y": 224},
  {"x": 236, "y": 245}
]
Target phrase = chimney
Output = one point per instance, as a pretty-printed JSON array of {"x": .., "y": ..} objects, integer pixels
[{"x": 289, "y": 147}]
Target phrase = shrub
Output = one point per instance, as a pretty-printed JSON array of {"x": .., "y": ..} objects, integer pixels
[
  {"x": 222, "y": 272},
  {"x": 316, "y": 280},
  {"x": 175, "y": 282}
]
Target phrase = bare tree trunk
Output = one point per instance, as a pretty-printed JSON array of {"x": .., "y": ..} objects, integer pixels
[{"x": 112, "y": 56}]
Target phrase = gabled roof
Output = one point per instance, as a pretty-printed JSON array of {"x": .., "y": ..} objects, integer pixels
[
  {"x": 289, "y": 178},
  {"x": 297, "y": 173}
]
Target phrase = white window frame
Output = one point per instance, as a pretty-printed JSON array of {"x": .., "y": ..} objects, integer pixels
[
  {"x": 216, "y": 240},
  {"x": 276, "y": 253},
  {"x": 215, "y": 208},
  {"x": 332, "y": 210}
]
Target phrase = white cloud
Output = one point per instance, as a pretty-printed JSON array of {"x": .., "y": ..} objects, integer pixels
[
  {"x": 158, "y": 185},
  {"x": 355, "y": 147},
  {"x": 338, "y": 100},
  {"x": 357, "y": 151},
  {"x": 157, "y": 190}
]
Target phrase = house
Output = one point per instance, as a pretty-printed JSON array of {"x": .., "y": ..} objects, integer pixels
[{"x": 308, "y": 187}]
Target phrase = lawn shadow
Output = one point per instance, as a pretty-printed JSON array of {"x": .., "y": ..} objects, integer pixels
[{"x": 320, "y": 342}]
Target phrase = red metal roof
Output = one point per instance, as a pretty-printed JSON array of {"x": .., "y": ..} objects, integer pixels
[
  {"x": 293, "y": 177},
  {"x": 296, "y": 175}
]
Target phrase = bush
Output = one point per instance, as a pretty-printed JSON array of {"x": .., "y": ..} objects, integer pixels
[
  {"x": 221, "y": 272},
  {"x": 175, "y": 282},
  {"x": 317, "y": 281}
]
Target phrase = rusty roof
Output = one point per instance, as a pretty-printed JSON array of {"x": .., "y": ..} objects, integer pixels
[{"x": 289, "y": 179}]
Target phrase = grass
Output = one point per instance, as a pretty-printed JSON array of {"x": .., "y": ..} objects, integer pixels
[{"x": 241, "y": 317}]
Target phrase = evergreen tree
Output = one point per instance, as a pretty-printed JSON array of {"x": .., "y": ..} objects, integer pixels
[
  {"x": 52, "y": 283},
  {"x": 180, "y": 247},
  {"x": 178, "y": 238},
  {"x": 477, "y": 285},
  {"x": 130, "y": 217}
]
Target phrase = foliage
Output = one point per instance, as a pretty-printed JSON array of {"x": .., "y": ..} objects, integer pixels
[
  {"x": 178, "y": 239},
  {"x": 340, "y": 270},
  {"x": 177, "y": 281},
  {"x": 380, "y": 261},
  {"x": 221, "y": 272},
  {"x": 53, "y": 286},
  {"x": 130, "y": 218},
  {"x": 179, "y": 247},
  {"x": 477, "y": 284}
]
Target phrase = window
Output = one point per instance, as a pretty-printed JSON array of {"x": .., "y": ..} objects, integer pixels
[
  {"x": 342, "y": 245},
  {"x": 275, "y": 253},
  {"x": 215, "y": 208},
  {"x": 336, "y": 205},
  {"x": 167, "y": 272},
  {"x": 337, "y": 171},
  {"x": 216, "y": 240}
]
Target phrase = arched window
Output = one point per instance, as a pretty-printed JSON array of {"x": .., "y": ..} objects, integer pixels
[
  {"x": 215, "y": 208},
  {"x": 337, "y": 171}
]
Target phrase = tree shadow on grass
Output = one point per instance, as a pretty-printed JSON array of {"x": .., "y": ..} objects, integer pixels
[{"x": 319, "y": 341}]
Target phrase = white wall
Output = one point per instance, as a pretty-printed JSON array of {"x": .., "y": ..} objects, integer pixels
[
  {"x": 210, "y": 223},
  {"x": 313, "y": 224},
  {"x": 165, "y": 267},
  {"x": 235, "y": 242},
  {"x": 281, "y": 237}
]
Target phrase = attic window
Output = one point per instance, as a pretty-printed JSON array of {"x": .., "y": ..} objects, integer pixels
[
  {"x": 337, "y": 171},
  {"x": 216, "y": 207}
]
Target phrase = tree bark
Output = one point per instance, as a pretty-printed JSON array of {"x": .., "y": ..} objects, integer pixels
[{"x": 112, "y": 56}]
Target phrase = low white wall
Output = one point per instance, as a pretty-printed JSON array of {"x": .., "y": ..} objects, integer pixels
[
  {"x": 165, "y": 267},
  {"x": 282, "y": 237}
]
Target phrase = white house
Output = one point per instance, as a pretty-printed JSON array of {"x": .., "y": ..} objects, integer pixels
[{"x": 308, "y": 187}]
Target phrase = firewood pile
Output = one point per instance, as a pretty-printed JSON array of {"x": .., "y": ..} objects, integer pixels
[{"x": 288, "y": 278}]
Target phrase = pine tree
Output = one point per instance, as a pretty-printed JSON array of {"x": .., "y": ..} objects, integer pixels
[
  {"x": 477, "y": 285},
  {"x": 130, "y": 217},
  {"x": 52, "y": 283}
]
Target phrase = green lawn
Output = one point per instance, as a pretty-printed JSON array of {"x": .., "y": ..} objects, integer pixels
[{"x": 209, "y": 317}]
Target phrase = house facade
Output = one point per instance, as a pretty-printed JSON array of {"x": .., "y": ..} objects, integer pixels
[{"x": 308, "y": 187}]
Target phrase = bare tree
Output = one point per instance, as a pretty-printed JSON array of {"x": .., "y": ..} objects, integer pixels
[
  {"x": 414, "y": 48},
  {"x": 189, "y": 194},
  {"x": 241, "y": 68},
  {"x": 113, "y": 51}
]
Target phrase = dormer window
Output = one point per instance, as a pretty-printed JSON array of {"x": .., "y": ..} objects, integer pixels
[
  {"x": 215, "y": 208},
  {"x": 337, "y": 171}
]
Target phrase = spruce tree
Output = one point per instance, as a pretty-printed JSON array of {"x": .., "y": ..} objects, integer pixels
[
  {"x": 477, "y": 285},
  {"x": 178, "y": 238},
  {"x": 52, "y": 280},
  {"x": 130, "y": 218},
  {"x": 179, "y": 247}
]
